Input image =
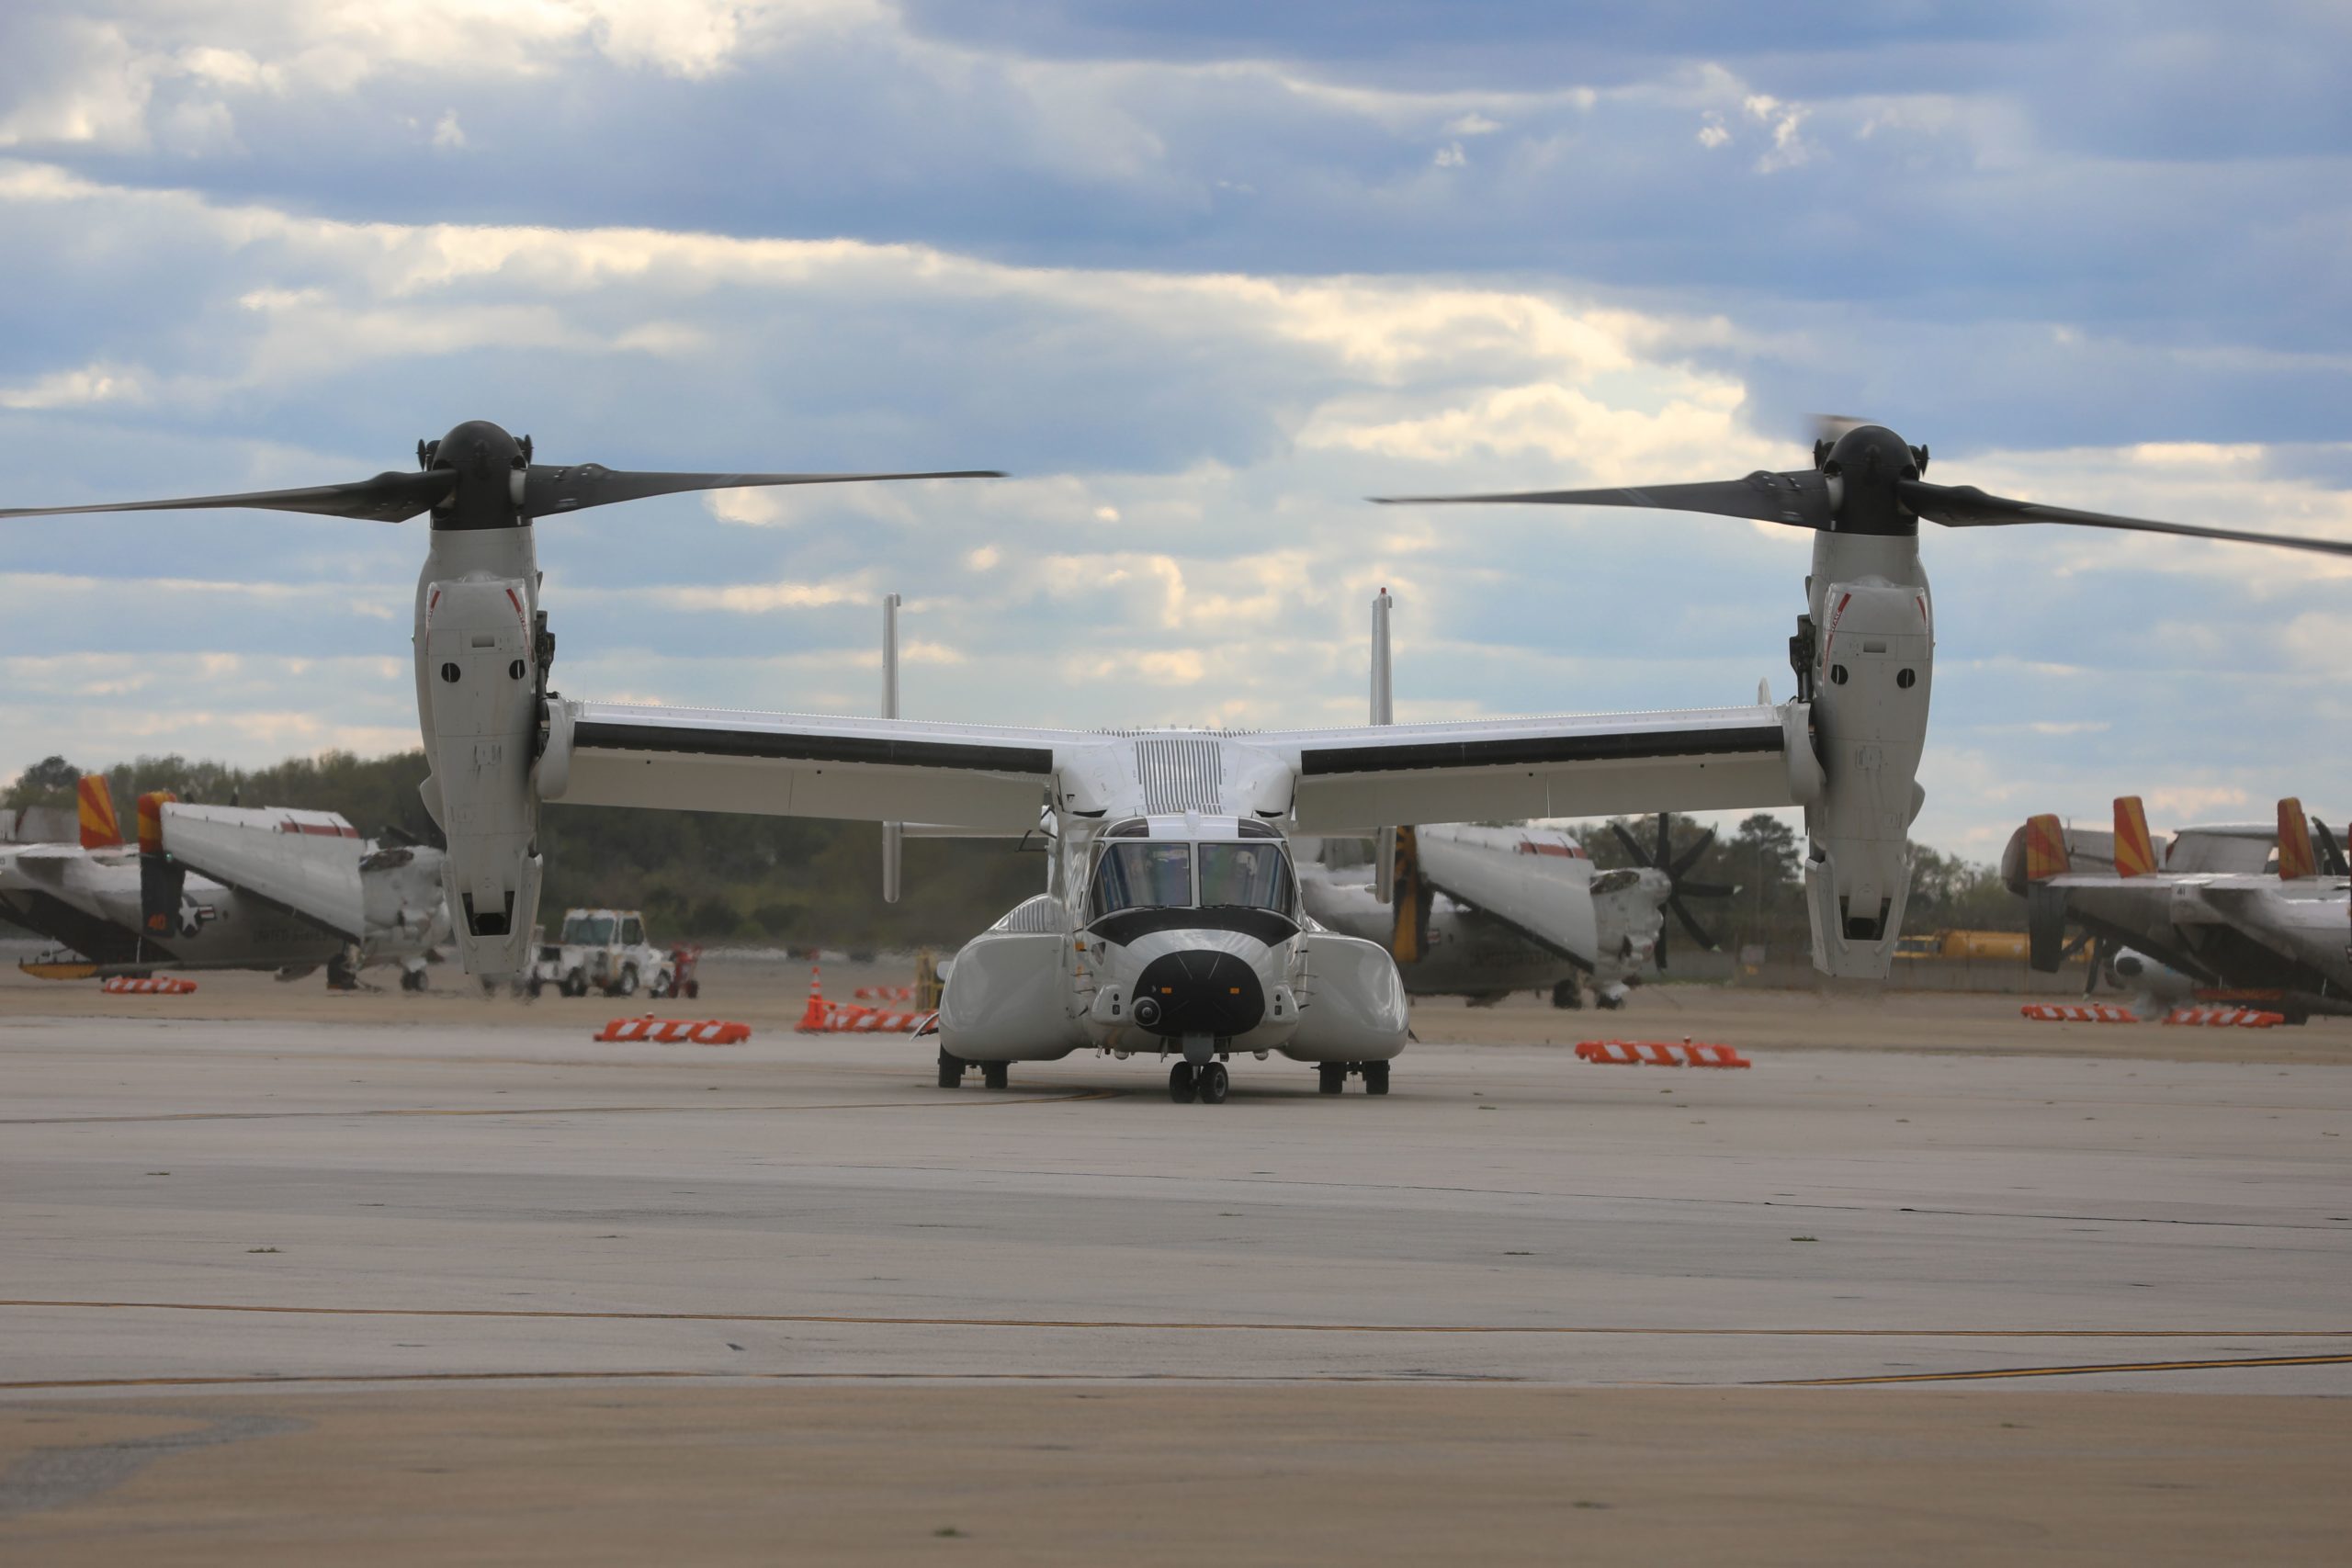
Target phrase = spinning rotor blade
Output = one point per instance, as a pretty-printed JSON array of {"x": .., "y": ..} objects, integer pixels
[
  {"x": 2331, "y": 854},
  {"x": 1632, "y": 845},
  {"x": 1965, "y": 506},
  {"x": 1705, "y": 889},
  {"x": 1690, "y": 856},
  {"x": 1801, "y": 499},
  {"x": 1699, "y": 933},
  {"x": 1866, "y": 479},
  {"x": 550, "y": 490},
  {"x": 386, "y": 498}
]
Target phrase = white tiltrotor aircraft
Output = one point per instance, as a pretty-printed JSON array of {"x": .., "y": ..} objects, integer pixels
[{"x": 1171, "y": 922}]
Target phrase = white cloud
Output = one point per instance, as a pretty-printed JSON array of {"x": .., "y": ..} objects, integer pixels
[{"x": 448, "y": 135}]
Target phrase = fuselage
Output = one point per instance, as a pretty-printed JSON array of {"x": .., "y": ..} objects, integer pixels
[
  {"x": 89, "y": 900},
  {"x": 1171, "y": 934}
]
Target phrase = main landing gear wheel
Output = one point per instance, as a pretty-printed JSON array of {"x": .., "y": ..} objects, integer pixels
[
  {"x": 1567, "y": 995},
  {"x": 1375, "y": 1077},
  {"x": 1181, "y": 1088},
  {"x": 997, "y": 1075},
  {"x": 951, "y": 1071},
  {"x": 1331, "y": 1078},
  {"x": 1212, "y": 1081}
]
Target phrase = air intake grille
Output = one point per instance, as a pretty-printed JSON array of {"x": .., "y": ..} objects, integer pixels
[{"x": 1180, "y": 773}]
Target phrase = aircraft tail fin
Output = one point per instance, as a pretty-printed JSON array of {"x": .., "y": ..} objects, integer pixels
[
  {"x": 2135, "y": 852},
  {"x": 2045, "y": 848},
  {"x": 160, "y": 877},
  {"x": 96, "y": 800},
  {"x": 1408, "y": 932},
  {"x": 2296, "y": 856}
]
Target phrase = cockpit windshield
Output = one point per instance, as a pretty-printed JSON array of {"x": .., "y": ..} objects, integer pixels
[
  {"x": 1253, "y": 876},
  {"x": 588, "y": 930},
  {"x": 1142, "y": 875}
]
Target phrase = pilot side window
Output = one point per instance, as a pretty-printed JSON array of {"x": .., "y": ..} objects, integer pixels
[
  {"x": 1253, "y": 876},
  {"x": 1143, "y": 877}
]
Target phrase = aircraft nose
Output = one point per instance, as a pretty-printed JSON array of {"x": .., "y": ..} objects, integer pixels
[{"x": 1200, "y": 991}]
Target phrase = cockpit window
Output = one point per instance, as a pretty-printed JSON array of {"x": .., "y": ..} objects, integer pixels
[
  {"x": 1253, "y": 876},
  {"x": 1150, "y": 875}
]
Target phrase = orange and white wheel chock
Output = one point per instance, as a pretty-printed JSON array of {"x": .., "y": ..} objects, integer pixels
[
  {"x": 674, "y": 1032},
  {"x": 821, "y": 1017},
  {"x": 147, "y": 986},
  {"x": 2077, "y": 1012},
  {"x": 885, "y": 993},
  {"x": 2226, "y": 1018},
  {"x": 1661, "y": 1054}
]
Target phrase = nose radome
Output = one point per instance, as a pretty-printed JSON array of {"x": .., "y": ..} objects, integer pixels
[{"x": 1200, "y": 991}]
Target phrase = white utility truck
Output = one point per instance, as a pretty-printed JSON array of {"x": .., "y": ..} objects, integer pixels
[{"x": 603, "y": 947}]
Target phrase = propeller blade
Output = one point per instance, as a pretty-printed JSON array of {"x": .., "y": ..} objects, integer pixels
[
  {"x": 2331, "y": 853},
  {"x": 386, "y": 498},
  {"x": 1704, "y": 889},
  {"x": 1665, "y": 845},
  {"x": 1690, "y": 856},
  {"x": 548, "y": 490},
  {"x": 1801, "y": 498},
  {"x": 1632, "y": 845},
  {"x": 1965, "y": 506},
  {"x": 1657, "y": 951},
  {"x": 1699, "y": 933}
]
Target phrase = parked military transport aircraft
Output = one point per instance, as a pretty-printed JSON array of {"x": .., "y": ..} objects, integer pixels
[
  {"x": 2218, "y": 905},
  {"x": 1480, "y": 912},
  {"x": 1171, "y": 922},
  {"x": 226, "y": 887}
]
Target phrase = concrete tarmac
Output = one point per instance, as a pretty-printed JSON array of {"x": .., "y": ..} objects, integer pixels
[{"x": 328, "y": 1289}]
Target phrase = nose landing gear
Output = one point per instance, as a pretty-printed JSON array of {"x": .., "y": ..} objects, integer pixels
[{"x": 1208, "y": 1083}]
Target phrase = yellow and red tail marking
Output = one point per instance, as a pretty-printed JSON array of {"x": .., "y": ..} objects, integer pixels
[
  {"x": 99, "y": 830},
  {"x": 151, "y": 820},
  {"x": 2295, "y": 855},
  {"x": 2135, "y": 852},
  {"x": 2045, "y": 848}
]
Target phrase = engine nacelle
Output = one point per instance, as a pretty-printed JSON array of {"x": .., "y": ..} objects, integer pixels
[
  {"x": 477, "y": 677},
  {"x": 1869, "y": 672}
]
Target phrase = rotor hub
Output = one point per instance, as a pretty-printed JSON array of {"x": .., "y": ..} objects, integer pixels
[
  {"x": 488, "y": 463},
  {"x": 1869, "y": 464}
]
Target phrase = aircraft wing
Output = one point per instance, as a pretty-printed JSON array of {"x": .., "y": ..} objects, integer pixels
[
  {"x": 1528, "y": 893},
  {"x": 1596, "y": 765},
  {"x": 974, "y": 777},
  {"x": 46, "y": 862},
  {"x": 307, "y": 861}
]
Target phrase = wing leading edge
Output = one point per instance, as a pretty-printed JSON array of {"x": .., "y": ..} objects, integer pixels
[
  {"x": 1593, "y": 765},
  {"x": 870, "y": 770}
]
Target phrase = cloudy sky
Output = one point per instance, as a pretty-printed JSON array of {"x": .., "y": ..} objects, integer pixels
[{"x": 1202, "y": 274}]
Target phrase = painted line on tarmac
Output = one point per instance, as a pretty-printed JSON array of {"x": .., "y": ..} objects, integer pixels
[
  {"x": 976, "y": 1101},
  {"x": 1148, "y": 1325},
  {"x": 2225, "y": 1362},
  {"x": 256, "y": 1380}
]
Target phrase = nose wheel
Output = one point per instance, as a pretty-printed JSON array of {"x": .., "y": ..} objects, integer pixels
[{"x": 1208, "y": 1083}]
